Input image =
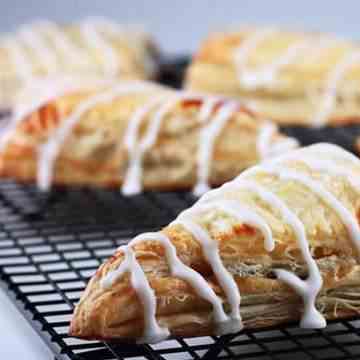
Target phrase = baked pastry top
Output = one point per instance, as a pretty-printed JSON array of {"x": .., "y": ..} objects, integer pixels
[
  {"x": 293, "y": 78},
  {"x": 279, "y": 243},
  {"x": 134, "y": 134},
  {"x": 91, "y": 47}
]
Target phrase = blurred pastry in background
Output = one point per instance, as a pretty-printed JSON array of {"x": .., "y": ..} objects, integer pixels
[
  {"x": 137, "y": 135},
  {"x": 292, "y": 78},
  {"x": 92, "y": 47}
]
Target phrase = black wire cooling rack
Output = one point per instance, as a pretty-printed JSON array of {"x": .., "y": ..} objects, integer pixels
[{"x": 51, "y": 244}]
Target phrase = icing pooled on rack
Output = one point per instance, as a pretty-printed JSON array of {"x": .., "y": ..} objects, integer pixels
[{"x": 247, "y": 182}]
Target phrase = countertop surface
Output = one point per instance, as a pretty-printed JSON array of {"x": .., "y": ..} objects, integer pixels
[{"x": 18, "y": 340}]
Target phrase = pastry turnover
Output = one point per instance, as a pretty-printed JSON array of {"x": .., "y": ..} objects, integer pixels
[
  {"x": 134, "y": 134},
  {"x": 292, "y": 78},
  {"x": 92, "y": 47},
  {"x": 279, "y": 243}
]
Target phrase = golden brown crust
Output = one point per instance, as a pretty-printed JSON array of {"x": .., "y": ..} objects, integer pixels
[
  {"x": 94, "y": 153},
  {"x": 298, "y": 92},
  {"x": 265, "y": 300}
]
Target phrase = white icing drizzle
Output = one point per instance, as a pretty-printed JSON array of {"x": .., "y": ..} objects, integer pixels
[
  {"x": 317, "y": 188},
  {"x": 207, "y": 138},
  {"x": 326, "y": 165},
  {"x": 93, "y": 37},
  {"x": 266, "y": 75},
  {"x": 132, "y": 181},
  {"x": 62, "y": 42},
  {"x": 49, "y": 151},
  {"x": 152, "y": 331},
  {"x": 335, "y": 77},
  {"x": 32, "y": 36},
  {"x": 198, "y": 283},
  {"x": 179, "y": 270},
  {"x": 210, "y": 133},
  {"x": 137, "y": 34},
  {"x": 263, "y": 141},
  {"x": 308, "y": 289},
  {"x": 264, "y": 145},
  {"x": 242, "y": 53},
  {"x": 282, "y": 145},
  {"x": 320, "y": 149},
  {"x": 212, "y": 256},
  {"x": 110, "y": 27},
  {"x": 325, "y": 149},
  {"x": 324, "y": 44},
  {"x": 334, "y": 169},
  {"x": 47, "y": 89},
  {"x": 207, "y": 108},
  {"x": 241, "y": 212},
  {"x": 22, "y": 64},
  {"x": 132, "y": 184},
  {"x": 334, "y": 166},
  {"x": 45, "y": 56},
  {"x": 211, "y": 251}
]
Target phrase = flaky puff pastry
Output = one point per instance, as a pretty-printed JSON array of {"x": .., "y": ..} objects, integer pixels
[
  {"x": 91, "y": 47},
  {"x": 279, "y": 243},
  {"x": 293, "y": 78},
  {"x": 134, "y": 134}
]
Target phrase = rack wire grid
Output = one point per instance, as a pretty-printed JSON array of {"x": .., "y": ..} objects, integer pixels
[{"x": 50, "y": 244}]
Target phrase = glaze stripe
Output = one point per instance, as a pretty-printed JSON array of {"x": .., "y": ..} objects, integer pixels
[
  {"x": 50, "y": 150},
  {"x": 207, "y": 139}
]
